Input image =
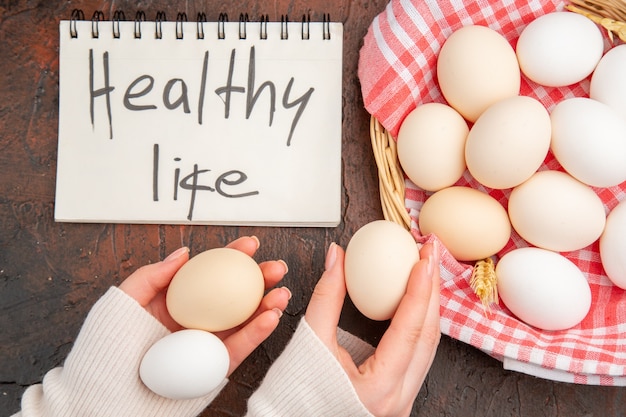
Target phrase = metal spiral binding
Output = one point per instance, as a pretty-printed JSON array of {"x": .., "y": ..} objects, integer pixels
[
  {"x": 223, "y": 18},
  {"x": 306, "y": 26},
  {"x": 263, "y": 29},
  {"x": 326, "y": 26},
  {"x": 77, "y": 14},
  {"x": 284, "y": 26},
  {"x": 243, "y": 21},
  {"x": 97, "y": 17},
  {"x": 118, "y": 16},
  {"x": 140, "y": 16},
  {"x": 158, "y": 31},
  {"x": 200, "y": 21},
  {"x": 181, "y": 18}
]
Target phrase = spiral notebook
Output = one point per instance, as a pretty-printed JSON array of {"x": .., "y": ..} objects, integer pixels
[{"x": 196, "y": 122}]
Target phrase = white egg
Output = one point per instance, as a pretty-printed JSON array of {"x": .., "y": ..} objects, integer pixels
[
  {"x": 608, "y": 83},
  {"x": 543, "y": 288},
  {"x": 559, "y": 49},
  {"x": 613, "y": 245},
  {"x": 378, "y": 262},
  {"x": 589, "y": 141},
  {"x": 554, "y": 211},
  {"x": 185, "y": 364}
]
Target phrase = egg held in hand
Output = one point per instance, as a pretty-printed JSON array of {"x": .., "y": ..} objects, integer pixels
[
  {"x": 379, "y": 259},
  {"x": 184, "y": 365},
  {"x": 215, "y": 290}
]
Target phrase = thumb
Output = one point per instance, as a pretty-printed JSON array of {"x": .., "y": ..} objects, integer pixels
[
  {"x": 326, "y": 303},
  {"x": 149, "y": 280}
]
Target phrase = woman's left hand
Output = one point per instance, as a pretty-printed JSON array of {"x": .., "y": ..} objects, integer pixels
[{"x": 148, "y": 286}]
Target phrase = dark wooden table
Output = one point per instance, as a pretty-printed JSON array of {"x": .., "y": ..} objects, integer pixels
[{"x": 51, "y": 273}]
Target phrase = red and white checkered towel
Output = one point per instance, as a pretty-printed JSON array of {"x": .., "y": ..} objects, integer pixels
[{"x": 396, "y": 70}]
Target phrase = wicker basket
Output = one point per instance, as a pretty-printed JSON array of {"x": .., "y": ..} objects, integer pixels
[{"x": 610, "y": 14}]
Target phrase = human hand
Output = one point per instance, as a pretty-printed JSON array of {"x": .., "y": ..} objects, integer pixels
[
  {"x": 148, "y": 286},
  {"x": 388, "y": 381}
]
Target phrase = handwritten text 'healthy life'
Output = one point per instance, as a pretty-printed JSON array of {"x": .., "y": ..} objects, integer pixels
[{"x": 175, "y": 94}]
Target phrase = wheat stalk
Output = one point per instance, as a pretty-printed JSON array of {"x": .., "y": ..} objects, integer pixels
[{"x": 610, "y": 14}]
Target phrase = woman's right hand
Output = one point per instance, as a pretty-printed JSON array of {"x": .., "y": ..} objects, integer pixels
[{"x": 387, "y": 382}]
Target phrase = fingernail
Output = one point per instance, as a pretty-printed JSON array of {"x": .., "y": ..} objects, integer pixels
[
  {"x": 278, "y": 312},
  {"x": 288, "y": 292},
  {"x": 431, "y": 258},
  {"x": 258, "y": 242},
  {"x": 430, "y": 266},
  {"x": 176, "y": 254},
  {"x": 331, "y": 256},
  {"x": 285, "y": 265}
]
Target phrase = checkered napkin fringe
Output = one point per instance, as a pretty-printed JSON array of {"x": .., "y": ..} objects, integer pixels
[{"x": 396, "y": 71}]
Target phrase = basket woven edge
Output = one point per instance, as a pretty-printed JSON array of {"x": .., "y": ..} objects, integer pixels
[{"x": 390, "y": 175}]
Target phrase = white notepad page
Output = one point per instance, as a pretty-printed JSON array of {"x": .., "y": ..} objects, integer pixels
[{"x": 200, "y": 131}]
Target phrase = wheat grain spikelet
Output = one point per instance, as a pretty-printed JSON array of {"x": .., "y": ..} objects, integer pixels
[{"x": 484, "y": 283}]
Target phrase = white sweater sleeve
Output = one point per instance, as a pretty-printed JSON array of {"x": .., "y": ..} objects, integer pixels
[
  {"x": 307, "y": 380},
  {"x": 100, "y": 376}
]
